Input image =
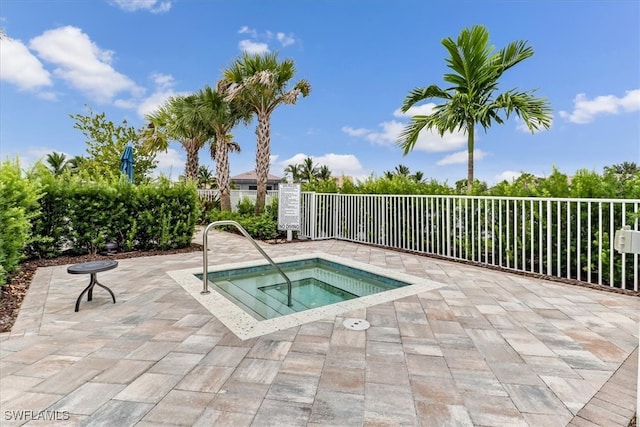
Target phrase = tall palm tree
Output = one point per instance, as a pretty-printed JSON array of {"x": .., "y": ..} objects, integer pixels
[
  {"x": 471, "y": 99},
  {"x": 258, "y": 83},
  {"x": 221, "y": 116},
  {"x": 179, "y": 119},
  {"x": 58, "y": 162}
]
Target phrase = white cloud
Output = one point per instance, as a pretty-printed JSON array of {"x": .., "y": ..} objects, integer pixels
[
  {"x": 163, "y": 91},
  {"x": 252, "y": 47},
  {"x": 460, "y": 157},
  {"x": 428, "y": 140},
  {"x": 338, "y": 164},
  {"x": 20, "y": 67},
  {"x": 82, "y": 64},
  {"x": 585, "y": 110},
  {"x": 285, "y": 39},
  {"x": 416, "y": 110},
  {"x": 153, "y": 6},
  {"x": 355, "y": 132},
  {"x": 170, "y": 163},
  {"x": 246, "y": 30},
  {"x": 507, "y": 175},
  {"x": 258, "y": 43}
]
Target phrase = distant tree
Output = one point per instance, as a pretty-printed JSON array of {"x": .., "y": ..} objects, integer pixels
[
  {"x": 623, "y": 169},
  {"x": 222, "y": 117},
  {"x": 399, "y": 170},
  {"x": 324, "y": 173},
  {"x": 106, "y": 143},
  {"x": 57, "y": 162},
  {"x": 258, "y": 83},
  {"x": 471, "y": 99},
  {"x": 418, "y": 176},
  {"x": 206, "y": 178},
  {"x": 308, "y": 170},
  {"x": 402, "y": 170},
  {"x": 179, "y": 119}
]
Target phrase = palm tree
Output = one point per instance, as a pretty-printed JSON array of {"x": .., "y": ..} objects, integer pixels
[
  {"x": 624, "y": 168},
  {"x": 308, "y": 171},
  {"x": 418, "y": 176},
  {"x": 402, "y": 170},
  {"x": 179, "y": 119},
  {"x": 294, "y": 170},
  {"x": 258, "y": 83},
  {"x": 471, "y": 99},
  {"x": 58, "y": 162},
  {"x": 206, "y": 179},
  {"x": 222, "y": 116},
  {"x": 324, "y": 173}
]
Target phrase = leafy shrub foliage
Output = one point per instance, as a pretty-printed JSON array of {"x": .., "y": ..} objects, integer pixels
[
  {"x": 81, "y": 215},
  {"x": 18, "y": 205}
]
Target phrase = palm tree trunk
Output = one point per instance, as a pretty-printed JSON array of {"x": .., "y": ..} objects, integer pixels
[
  {"x": 191, "y": 147},
  {"x": 470, "y": 143},
  {"x": 263, "y": 134},
  {"x": 222, "y": 170}
]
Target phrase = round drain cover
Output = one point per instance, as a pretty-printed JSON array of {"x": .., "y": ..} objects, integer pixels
[{"x": 356, "y": 324}]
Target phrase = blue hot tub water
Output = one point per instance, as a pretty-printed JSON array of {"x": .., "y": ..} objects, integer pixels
[{"x": 262, "y": 292}]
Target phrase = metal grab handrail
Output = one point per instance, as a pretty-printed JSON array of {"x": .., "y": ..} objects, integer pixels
[{"x": 205, "y": 284}]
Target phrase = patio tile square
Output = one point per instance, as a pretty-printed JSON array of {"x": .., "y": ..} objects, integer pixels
[
  {"x": 386, "y": 373},
  {"x": 389, "y": 404},
  {"x": 332, "y": 408},
  {"x": 87, "y": 398},
  {"x": 269, "y": 349},
  {"x": 302, "y": 364},
  {"x": 211, "y": 417},
  {"x": 259, "y": 371},
  {"x": 240, "y": 397},
  {"x": 179, "y": 407},
  {"x": 338, "y": 379},
  {"x": 124, "y": 371},
  {"x": 311, "y": 344},
  {"x": 293, "y": 388},
  {"x": 149, "y": 388},
  {"x": 225, "y": 356},
  {"x": 208, "y": 379},
  {"x": 278, "y": 413},
  {"x": 119, "y": 413},
  {"x": 176, "y": 363},
  {"x": 438, "y": 415}
]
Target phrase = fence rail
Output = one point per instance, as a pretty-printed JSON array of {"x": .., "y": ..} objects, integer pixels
[{"x": 567, "y": 238}]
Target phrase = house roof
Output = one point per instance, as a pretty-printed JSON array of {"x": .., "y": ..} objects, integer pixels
[{"x": 253, "y": 177}]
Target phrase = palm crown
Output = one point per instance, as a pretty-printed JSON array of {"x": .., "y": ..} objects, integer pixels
[{"x": 471, "y": 99}]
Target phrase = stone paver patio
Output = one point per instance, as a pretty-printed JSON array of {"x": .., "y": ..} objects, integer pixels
[{"x": 487, "y": 349}]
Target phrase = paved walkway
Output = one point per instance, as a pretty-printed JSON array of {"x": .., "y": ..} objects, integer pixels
[{"x": 486, "y": 349}]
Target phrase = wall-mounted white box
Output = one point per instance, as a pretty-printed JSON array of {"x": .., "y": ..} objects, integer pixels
[{"x": 627, "y": 241}]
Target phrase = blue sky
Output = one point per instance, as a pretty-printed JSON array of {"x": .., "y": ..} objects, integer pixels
[{"x": 125, "y": 57}]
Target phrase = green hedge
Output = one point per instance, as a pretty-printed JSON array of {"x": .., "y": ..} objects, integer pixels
[
  {"x": 18, "y": 205},
  {"x": 81, "y": 216}
]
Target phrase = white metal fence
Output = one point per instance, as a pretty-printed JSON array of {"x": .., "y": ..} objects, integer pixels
[
  {"x": 237, "y": 196},
  {"x": 567, "y": 238}
]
